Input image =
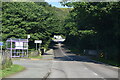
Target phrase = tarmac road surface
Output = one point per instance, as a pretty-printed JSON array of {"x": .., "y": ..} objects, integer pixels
[{"x": 70, "y": 66}]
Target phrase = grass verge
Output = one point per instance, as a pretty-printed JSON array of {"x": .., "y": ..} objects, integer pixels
[
  {"x": 77, "y": 52},
  {"x": 110, "y": 62},
  {"x": 12, "y": 70}
]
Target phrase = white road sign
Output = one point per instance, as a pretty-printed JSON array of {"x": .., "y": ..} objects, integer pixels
[{"x": 38, "y": 41}]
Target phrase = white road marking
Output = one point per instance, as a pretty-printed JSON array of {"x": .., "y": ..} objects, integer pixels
[
  {"x": 95, "y": 73},
  {"x": 99, "y": 75},
  {"x": 74, "y": 60},
  {"x": 64, "y": 53}
]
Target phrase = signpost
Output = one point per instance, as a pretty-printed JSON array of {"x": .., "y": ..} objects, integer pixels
[
  {"x": 1, "y": 44},
  {"x": 28, "y": 36},
  {"x": 38, "y": 41}
]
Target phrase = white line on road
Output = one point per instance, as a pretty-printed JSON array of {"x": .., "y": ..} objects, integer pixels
[
  {"x": 64, "y": 53},
  {"x": 95, "y": 73},
  {"x": 99, "y": 75},
  {"x": 75, "y": 60}
]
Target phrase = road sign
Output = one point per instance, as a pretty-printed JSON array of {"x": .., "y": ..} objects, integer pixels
[
  {"x": 28, "y": 36},
  {"x": 38, "y": 41},
  {"x": 1, "y": 43}
]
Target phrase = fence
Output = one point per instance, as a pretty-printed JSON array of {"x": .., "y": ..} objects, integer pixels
[{"x": 91, "y": 52}]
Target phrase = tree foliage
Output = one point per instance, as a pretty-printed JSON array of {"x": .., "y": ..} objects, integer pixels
[
  {"x": 39, "y": 20},
  {"x": 102, "y": 18}
]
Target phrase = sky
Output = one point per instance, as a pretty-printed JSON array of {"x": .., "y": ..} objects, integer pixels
[{"x": 56, "y": 3}]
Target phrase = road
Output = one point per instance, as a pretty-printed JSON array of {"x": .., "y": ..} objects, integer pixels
[
  {"x": 67, "y": 65},
  {"x": 35, "y": 68}
]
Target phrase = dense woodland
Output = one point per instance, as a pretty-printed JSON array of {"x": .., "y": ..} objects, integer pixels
[
  {"x": 90, "y": 25},
  {"x": 95, "y": 26},
  {"x": 39, "y": 20}
]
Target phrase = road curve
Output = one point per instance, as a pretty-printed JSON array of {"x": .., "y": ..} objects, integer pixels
[{"x": 69, "y": 66}]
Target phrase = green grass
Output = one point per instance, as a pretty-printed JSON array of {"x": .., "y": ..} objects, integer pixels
[
  {"x": 12, "y": 70},
  {"x": 110, "y": 62},
  {"x": 77, "y": 52}
]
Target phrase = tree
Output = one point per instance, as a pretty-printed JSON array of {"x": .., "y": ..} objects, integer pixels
[
  {"x": 40, "y": 20},
  {"x": 103, "y": 19}
]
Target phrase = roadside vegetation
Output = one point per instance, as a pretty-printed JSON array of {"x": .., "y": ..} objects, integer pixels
[
  {"x": 94, "y": 26},
  {"x": 96, "y": 58},
  {"x": 34, "y": 57},
  {"x": 11, "y": 70},
  {"x": 39, "y": 20},
  {"x": 110, "y": 62}
]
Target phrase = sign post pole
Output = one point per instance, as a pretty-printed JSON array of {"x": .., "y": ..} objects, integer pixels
[
  {"x": 11, "y": 46},
  {"x": 39, "y": 45},
  {"x": 36, "y": 46},
  {"x": 28, "y": 36},
  {"x": 1, "y": 44},
  {"x": 1, "y": 48}
]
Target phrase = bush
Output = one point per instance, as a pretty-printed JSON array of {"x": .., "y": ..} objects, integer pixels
[{"x": 6, "y": 60}]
